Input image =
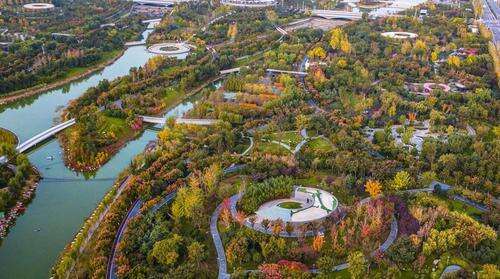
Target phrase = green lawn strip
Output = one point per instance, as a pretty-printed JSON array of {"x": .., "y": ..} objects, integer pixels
[
  {"x": 172, "y": 96},
  {"x": 292, "y": 138},
  {"x": 459, "y": 206},
  {"x": 290, "y": 205},
  {"x": 80, "y": 70},
  {"x": 114, "y": 125},
  {"x": 319, "y": 144},
  {"x": 270, "y": 148}
]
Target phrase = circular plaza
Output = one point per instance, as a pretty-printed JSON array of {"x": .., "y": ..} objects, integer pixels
[
  {"x": 399, "y": 35},
  {"x": 38, "y": 6},
  {"x": 305, "y": 205},
  {"x": 170, "y": 49}
]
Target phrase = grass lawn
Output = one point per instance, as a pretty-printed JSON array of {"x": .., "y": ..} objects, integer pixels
[
  {"x": 172, "y": 96},
  {"x": 454, "y": 205},
  {"x": 116, "y": 126},
  {"x": 8, "y": 137},
  {"x": 79, "y": 70},
  {"x": 241, "y": 146},
  {"x": 291, "y": 138},
  {"x": 320, "y": 144},
  {"x": 270, "y": 148},
  {"x": 290, "y": 205},
  {"x": 448, "y": 259}
]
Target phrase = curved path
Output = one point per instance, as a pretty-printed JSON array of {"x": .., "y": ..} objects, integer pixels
[
  {"x": 249, "y": 147},
  {"x": 111, "y": 270},
  {"x": 219, "y": 247},
  {"x": 233, "y": 200},
  {"x": 450, "y": 269},
  {"x": 133, "y": 212}
]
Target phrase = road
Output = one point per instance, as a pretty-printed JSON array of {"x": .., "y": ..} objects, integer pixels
[{"x": 491, "y": 13}]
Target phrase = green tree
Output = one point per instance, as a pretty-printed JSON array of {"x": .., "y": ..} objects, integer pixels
[
  {"x": 358, "y": 265},
  {"x": 401, "y": 181},
  {"x": 166, "y": 251},
  {"x": 188, "y": 202}
]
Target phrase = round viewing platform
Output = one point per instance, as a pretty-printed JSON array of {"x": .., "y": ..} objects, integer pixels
[
  {"x": 38, "y": 6},
  {"x": 304, "y": 206},
  {"x": 399, "y": 35},
  {"x": 170, "y": 49}
]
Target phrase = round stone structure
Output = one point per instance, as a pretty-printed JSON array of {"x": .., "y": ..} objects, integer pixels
[
  {"x": 430, "y": 86},
  {"x": 38, "y": 6},
  {"x": 249, "y": 3},
  {"x": 170, "y": 49},
  {"x": 399, "y": 35},
  {"x": 305, "y": 205}
]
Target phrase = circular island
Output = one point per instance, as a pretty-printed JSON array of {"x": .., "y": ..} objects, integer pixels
[
  {"x": 38, "y": 6},
  {"x": 399, "y": 35},
  {"x": 170, "y": 49},
  {"x": 305, "y": 205}
]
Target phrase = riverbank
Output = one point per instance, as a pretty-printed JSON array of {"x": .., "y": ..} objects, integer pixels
[
  {"x": 68, "y": 257},
  {"x": 75, "y": 75},
  {"x": 130, "y": 134},
  {"x": 102, "y": 156},
  {"x": 8, "y": 136},
  {"x": 25, "y": 197}
]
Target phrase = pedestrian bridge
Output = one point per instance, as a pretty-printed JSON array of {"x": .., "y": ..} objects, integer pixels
[
  {"x": 162, "y": 120},
  {"x": 33, "y": 141},
  {"x": 276, "y": 71},
  {"x": 332, "y": 14}
]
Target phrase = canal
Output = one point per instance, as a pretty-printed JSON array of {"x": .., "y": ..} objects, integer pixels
[{"x": 64, "y": 199}]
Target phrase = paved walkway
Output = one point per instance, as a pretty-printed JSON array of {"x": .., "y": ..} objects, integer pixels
[
  {"x": 249, "y": 148},
  {"x": 450, "y": 269},
  {"x": 219, "y": 247},
  {"x": 134, "y": 211}
]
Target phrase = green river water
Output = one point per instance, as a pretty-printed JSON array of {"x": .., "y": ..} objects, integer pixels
[{"x": 64, "y": 199}]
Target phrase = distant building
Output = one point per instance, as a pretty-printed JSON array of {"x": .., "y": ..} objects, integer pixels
[{"x": 229, "y": 96}]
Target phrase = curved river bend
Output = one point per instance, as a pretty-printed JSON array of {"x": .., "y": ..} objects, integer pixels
[{"x": 64, "y": 199}]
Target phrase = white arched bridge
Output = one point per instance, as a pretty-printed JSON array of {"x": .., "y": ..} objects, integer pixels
[
  {"x": 332, "y": 14},
  {"x": 31, "y": 142},
  {"x": 277, "y": 71},
  {"x": 163, "y": 120}
]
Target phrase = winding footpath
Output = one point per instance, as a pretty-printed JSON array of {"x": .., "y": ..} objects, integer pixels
[
  {"x": 219, "y": 247},
  {"x": 133, "y": 212}
]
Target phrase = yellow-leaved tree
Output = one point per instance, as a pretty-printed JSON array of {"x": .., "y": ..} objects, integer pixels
[{"x": 373, "y": 187}]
